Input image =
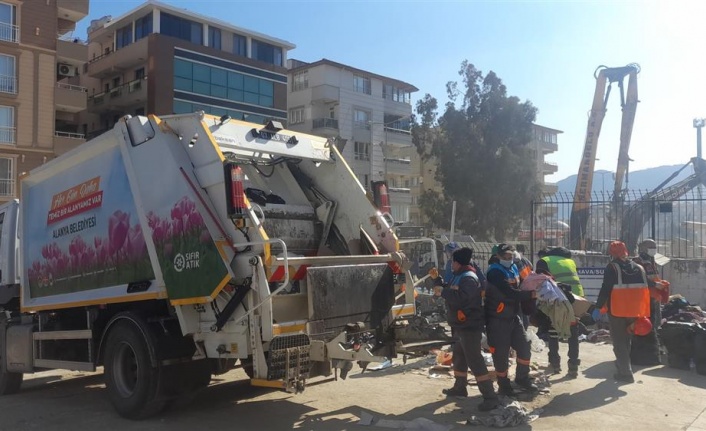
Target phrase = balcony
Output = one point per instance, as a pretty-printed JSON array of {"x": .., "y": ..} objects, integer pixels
[
  {"x": 549, "y": 168},
  {"x": 116, "y": 62},
  {"x": 548, "y": 147},
  {"x": 120, "y": 98},
  {"x": 398, "y": 137},
  {"x": 325, "y": 94},
  {"x": 68, "y": 51},
  {"x": 72, "y": 10},
  {"x": 7, "y": 136},
  {"x": 65, "y": 141},
  {"x": 70, "y": 98},
  {"x": 400, "y": 196},
  {"x": 398, "y": 166},
  {"x": 325, "y": 123},
  {"x": 9, "y": 32}
]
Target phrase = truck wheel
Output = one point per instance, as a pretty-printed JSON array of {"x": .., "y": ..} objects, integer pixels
[
  {"x": 9, "y": 382},
  {"x": 132, "y": 381}
]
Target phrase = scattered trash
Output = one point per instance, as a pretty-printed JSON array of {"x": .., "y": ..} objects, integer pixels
[
  {"x": 598, "y": 335},
  {"x": 510, "y": 415},
  {"x": 444, "y": 358},
  {"x": 488, "y": 358}
]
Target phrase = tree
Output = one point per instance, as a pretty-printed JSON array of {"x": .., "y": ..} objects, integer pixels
[{"x": 484, "y": 161}]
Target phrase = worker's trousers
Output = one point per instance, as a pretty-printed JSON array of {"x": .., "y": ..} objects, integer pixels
[
  {"x": 621, "y": 343},
  {"x": 467, "y": 352},
  {"x": 504, "y": 334}
]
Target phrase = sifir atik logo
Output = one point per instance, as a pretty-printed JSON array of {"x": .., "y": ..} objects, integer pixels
[{"x": 186, "y": 261}]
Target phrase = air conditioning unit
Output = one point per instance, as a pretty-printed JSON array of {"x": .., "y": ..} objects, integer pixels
[{"x": 66, "y": 70}]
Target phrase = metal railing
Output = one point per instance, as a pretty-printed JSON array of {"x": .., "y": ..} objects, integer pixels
[
  {"x": 7, "y": 187},
  {"x": 330, "y": 123},
  {"x": 70, "y": 135},
  {"x": 9, "y": 32},
  {"x": 71, "y": 87},
  {"x": 94, "y": 59},
  {"x": 128, "y": 87},
  {"x": 8, "y": 84},
  {"x": 678, "y": 226},
  {"x": 399, "y": 161},
  {"x": 399, "y": 190},
  {"x": 7, "y": 135}
]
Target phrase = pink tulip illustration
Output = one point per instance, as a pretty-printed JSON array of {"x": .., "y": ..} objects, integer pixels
[
  {"x": 118, "y": 227},
  {"x": 205, "y": 237},
  {"x": 136, "y": 243}
]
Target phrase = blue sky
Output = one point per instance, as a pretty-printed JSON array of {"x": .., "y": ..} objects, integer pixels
[{"x": 544, "y": 51}]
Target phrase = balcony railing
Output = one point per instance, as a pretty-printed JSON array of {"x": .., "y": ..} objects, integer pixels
[
  {"x": 7, "y": 188},
  {"x": 71, "y": 87},
  {"x": 69, "y": 135},
  {"x": 330, "y": 123},
  {"x": 8, "y": 84},
  {"x": 399, "y": 190},
  {"x": 127, "y": 88},
  {"x": 399, "y": 161},
  {"x": 9, "y": 32},
  {"x": 7, "y": 135}
]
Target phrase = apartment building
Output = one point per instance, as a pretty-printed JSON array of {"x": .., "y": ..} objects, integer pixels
[
  {"x": 368, "y": 114},
  {"x": 544, "y": 142},
  {"x": 160, "y": 59},
  {"x": 39, "y": 96}
]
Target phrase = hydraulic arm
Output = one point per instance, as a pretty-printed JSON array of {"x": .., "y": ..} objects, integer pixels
[{"x": 584, "y": 181}]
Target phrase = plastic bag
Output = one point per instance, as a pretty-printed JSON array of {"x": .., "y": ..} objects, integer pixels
[{"x": 536, "y": 345}]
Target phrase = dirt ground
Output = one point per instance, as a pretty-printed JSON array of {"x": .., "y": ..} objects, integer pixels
[{"x": 404, "y": 392}]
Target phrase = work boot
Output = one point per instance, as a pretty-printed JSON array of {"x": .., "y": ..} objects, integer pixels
[
  {"x": 527, "y": 384},
  {"x": 554, "y": 368},
  {"x": 459, "y": 389},
  {"x": 505, "y": 387},
  {"x": 573, "y": 368},
  {"x": 490, "y": 398}
]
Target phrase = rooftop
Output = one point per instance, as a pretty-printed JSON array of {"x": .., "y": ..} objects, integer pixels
[{"x": 324, "y": 61}]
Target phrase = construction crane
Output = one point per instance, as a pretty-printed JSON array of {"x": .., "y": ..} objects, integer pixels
[{"x": 584, "y": 181}]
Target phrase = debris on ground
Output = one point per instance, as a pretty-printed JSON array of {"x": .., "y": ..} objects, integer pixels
[
  {"x": 599, "y": 335},
  {"x": 508, "y": 415}
]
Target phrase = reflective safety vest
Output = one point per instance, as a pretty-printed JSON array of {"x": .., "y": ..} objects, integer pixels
[
  {"x": 631, "y": 299},
  {"x": 564, "y": 271}
]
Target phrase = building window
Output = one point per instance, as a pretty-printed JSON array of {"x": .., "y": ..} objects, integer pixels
[
  {"x": 265, "y": 52},
  {"x": 181, "y": 28},
  {"x": 8, "y": 77},
  {"x": 361, "y": 119},
  {"x": 300, "y": 80},
  {"x": 214, "y": 37},
  {"x": 7, "y": 125},
  {"x": 240, "y": 45},
  {"x": 123, "y": 36},
  {"x": 296, "y": 115},
  {"x": 361, "y": 150},
  {"x": 361, "y": 84},
  {"x": 7, "y": 177},
  {"x": 143, "y": 26},
  {"x": 9, "y": 32},
  {"x": 140, "y": 73},
  {"x": 222, "y": 83},
  {"x": 390, "y": 92}
]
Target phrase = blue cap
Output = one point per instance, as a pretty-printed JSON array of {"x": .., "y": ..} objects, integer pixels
[{"x": 453, "y": 245}]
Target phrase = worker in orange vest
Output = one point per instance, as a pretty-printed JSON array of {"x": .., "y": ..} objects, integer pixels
[{"x": 625, "y": 296}]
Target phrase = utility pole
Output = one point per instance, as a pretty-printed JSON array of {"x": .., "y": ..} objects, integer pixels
[{"x": 698, "y": 125}]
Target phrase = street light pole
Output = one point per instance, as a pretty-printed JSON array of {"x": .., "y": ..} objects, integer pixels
[{"x": 698, "y": 125}]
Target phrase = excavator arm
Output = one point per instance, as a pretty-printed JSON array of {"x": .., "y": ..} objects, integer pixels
[
  {"x": 642, "y": 211},
  {"x": 584, "y": 180}
]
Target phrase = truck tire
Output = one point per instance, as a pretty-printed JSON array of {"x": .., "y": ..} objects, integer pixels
[
  {"x": 132, "y": 382},
  {"x": 9, "y": 382}
]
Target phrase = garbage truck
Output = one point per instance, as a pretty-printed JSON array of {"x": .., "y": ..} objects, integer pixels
[{"x": 170, "y": 249}]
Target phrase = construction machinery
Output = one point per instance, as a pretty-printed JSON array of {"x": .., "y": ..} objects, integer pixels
[{"x": 584, "y": 181}]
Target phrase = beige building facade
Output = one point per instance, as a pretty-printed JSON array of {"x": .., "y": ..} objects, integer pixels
[
  {"x": 369, "y": 114},
  {"x": 40, "y": 99}
]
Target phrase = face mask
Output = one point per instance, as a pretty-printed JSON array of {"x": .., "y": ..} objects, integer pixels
[
  {"x": 651, "y": 251},
  {"x": 506, "y": 263}
]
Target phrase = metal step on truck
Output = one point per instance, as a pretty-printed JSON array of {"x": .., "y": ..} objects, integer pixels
[{"x": 171, "y": 249}]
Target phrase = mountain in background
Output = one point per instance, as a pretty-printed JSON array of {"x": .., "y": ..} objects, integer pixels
[{"x": 644, "y": 180}]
